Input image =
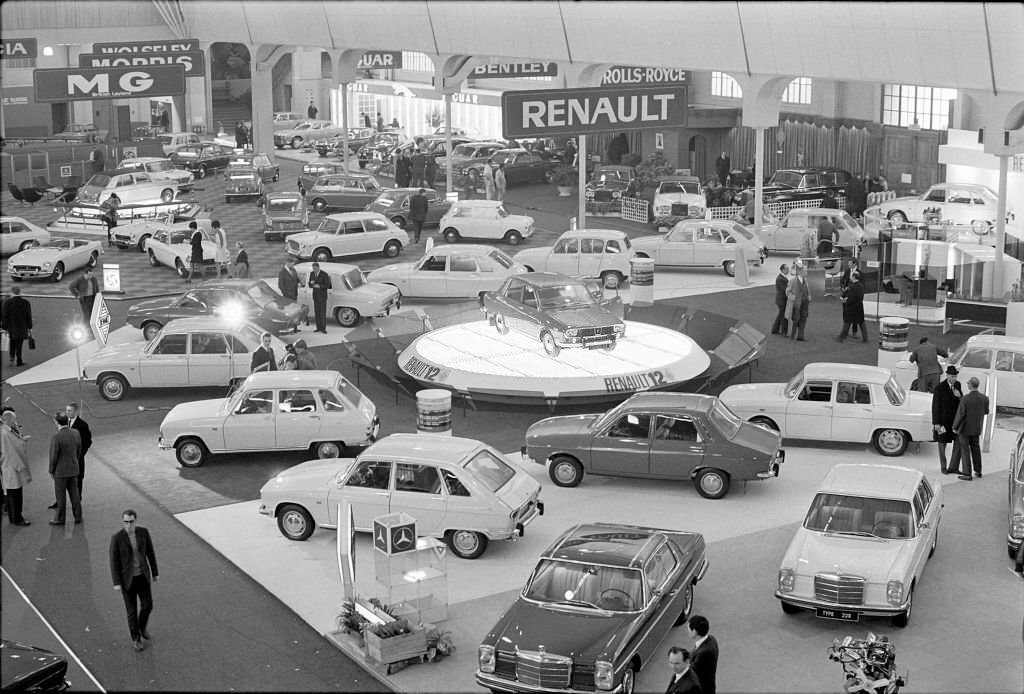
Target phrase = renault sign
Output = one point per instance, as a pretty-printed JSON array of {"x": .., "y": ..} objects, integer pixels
[
  {"x": 70, "y": 84},
  {"x": 192, "y": 60},
  {"x": 549, "y": 112}
]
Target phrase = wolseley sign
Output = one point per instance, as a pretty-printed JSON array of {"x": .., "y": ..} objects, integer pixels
[
  {"x": 172, "y": 46},
  {"x": 548, "y": 112},
  {"x": 191, "y": 60},
  {"x": 68, "y": 84}
]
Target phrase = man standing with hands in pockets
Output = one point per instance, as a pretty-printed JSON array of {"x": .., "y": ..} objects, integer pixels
[
  {"x": 132, "y": 565},
  {"x": 320, "y": 283}
]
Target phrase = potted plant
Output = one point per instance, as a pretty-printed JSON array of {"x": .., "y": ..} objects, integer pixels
[{"x": 564, "y": 177}]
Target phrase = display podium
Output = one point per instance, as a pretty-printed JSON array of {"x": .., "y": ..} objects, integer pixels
[{"x": 413, "y": 582}]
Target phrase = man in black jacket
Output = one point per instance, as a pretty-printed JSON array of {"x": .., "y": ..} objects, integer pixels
[
  {"x": 288, "y": 281},
  {"x": 781, "y": 325},
  {"x": 418, "y": 206},
  {"x": 320, "y": 283},
  {"x": 684, "y": 679},
  {"x": 945, "y": 401},
  {"x": 79, "y": 425},
  {"x": 704, "y": 658},
  {"x": 263, "y": 356},
  {"x": 853, "y": 309},
  {"x": 132, "y": 566},
  {"x": 16, "y": 317},
  {"x": 968, "y": 424}
]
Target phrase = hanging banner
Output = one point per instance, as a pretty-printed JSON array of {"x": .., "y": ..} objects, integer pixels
[
  {"x": 624, "y": 74},
  {"x": 18, "y": 48},
  {"x": 193, "y": 61},
  {"x": 71, "y": 84},
  {"x": 147, "y": 46},
  {"x": 549, "y": 112},
  {"x": 380, "y": 60},
  {"x": 512, "y": 70}
]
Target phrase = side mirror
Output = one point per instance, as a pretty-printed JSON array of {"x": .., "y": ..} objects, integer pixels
[{"x": 923, "y": 525}]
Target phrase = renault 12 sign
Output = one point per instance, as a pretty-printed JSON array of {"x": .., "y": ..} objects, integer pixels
[
  {"x": 548, "y": 112},
  {"x": 76, "y": 84}
]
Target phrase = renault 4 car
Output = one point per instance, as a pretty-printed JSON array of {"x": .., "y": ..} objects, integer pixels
[{"x": 588, "y": 253}]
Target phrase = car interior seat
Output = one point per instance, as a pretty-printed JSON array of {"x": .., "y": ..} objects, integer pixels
[
  {"x": 840, "y": 518},
  {"x": 890, "y": 525}
]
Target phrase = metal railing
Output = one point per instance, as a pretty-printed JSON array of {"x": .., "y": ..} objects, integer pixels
[
  {"x": 777, "y": 209},
  {"x": 636, "y": 210}
]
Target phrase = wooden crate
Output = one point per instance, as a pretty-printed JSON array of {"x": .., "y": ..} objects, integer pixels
[{"x": 396, "y": 648}]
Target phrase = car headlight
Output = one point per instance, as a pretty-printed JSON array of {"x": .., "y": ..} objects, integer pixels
[
  {"x": 485, "y": 658},
  {"x": 616, "y": 194},
  {"x": 619, "y": 329},
  {"x": 572, "y": 332},
  {"x": 47, "y": 266},
  {"x": 604, "y": 675},
  {"x": 894, "y": 592},
  {"x": 786, "y": 580}
]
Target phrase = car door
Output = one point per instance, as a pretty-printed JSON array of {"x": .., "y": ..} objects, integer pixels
[
  {"x": 676, "y": 249},
  {"x": 564, "y": 257},
  {"x": 418, "y": 491},
  {"x": 436, "y": 207},
  {"x": 1009, "y": 372},
  {"x": 959, "y": 207},
  {"x": 677, "y": 446},
  {"x": 664, "y": 602},
  {"x": 166, "y": 364},
  {"x": 209, "y": 359},
  {"x": 977, "y": 362},
  {"x": 352, "y": 239},
  {"x": 367, "y": 489},
  {"x": 926, "y": 516},
  {"x": 510, "y": 303},
  {"x": 378, "y": 232},
  {"x": 591, "y": 253},
  {"x": 809, "y": 412},
  {"x": 709, "y": 249},
  {"x": 623, "y": 446},
  {"x": 486, "y": 223},
  {"x": 428, "y": 277},
  {"x": 853, "y": 413},
  {"x": 790, "y": 234},
  {"x": 250, "y": 424},
  {"x": 298, "y": 420},
  {"x": 463, "y": 276},
  {"x": 239, "y": 357}
]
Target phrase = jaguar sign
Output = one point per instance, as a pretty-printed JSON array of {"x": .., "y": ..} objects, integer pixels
[{"x": 70, "y": 84}]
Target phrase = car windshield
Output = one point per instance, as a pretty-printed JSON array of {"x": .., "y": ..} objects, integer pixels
[
  {"x": 787, "y": 179},
  {"x": 502, "y": 258},
  {"x": 386, "y": 199},
  {"x": 349, "y": 391},
  {"x": 99, "y": 181},
  {"x": 465, "y": 151},
  {"x": 894, "y": 392},
  {"x": 849, "y": 221},
  {"x": 595, "y": 586},
  {"x": 261, "y": 293},
  {"x": 60, "y": 244},
  {"x": 353, "y": 278},
  {"x": 685, "y": 187},
  {"x": 564, "y": 296},
  {"x": 957, "y": 355},
  {"x": 502, "y": 212},
  {"x": 187, "y": 151},
  {"x": 605, "y": 175},
  {"x": 858, "y": 515},
  {"x": 491, "y": 471},
  {"x": 165, "y": 139},
  {"x": 724, "y": 419},
  {"x": 283, "y": 204}
]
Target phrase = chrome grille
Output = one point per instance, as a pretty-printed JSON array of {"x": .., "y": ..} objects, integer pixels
[
  {"x": 596, "y": 332},
  {"x": 505, "y": 664},
  {"x": 540, "y": 669},
  {"x": 839, "y": 589},
  {"x": 27, "y": 268}
]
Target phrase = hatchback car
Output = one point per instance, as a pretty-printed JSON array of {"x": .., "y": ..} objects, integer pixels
[
  {"x": 132, "y": 187},
  {"x": 349, "y": 233},
  {"x": 263, "y": 163},
  {"x": 203, "y": 158},
  {"x": 351, "y": 297},
  {"x": 393, "y": 203},
  {"x": 242, "y": 181},
  {"x": 956, "y": 203},
  {"x": 320, "y": 411},
  {"x": 283, "y": 214},
  {"x": 484, "y": 219},
  {"x": 701, "y": 243},
  {"x": 17, "y": 234},
  {"x": 829, "y": 401},
  {"x": 343, "y": 192},
  {"x": 170, "y": 142},
  {"x": 159, "y": 169},
  {"x": 458, "y": 489},
  {"x": 603, "y": 253},
  {"x": 863, "y": 545},
  {"x": 463, "y": 271}
]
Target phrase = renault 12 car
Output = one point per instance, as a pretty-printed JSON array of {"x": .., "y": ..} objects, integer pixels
[
  {"x": 18, "y": 234},
  {"x": 669, "y": 436},
  {"x": 348, "y": 233},
  {"x": 589, "y": 253},
  {"x": 203, "y": 158},
  {"x": 595, "y": 610},
  {"x": 132, "y": 187},
  {"x": 562, "y": 313},
  {"x": 462, "y": 271},
  {"x": 284, "y": 214},
  {"x": 238, "y": 299},
  {"x": 159, "y": 169},
  {"x": 187, "y": 353},
  {"x": 173, "y": 248},
  {"x": 953, "y": 203},
  {"x": 457, "y": 489},
  {"x": 484, "y": 219},
  {"x": 863, "y": 545},
  {"x": 319, "y": 411},
  {"x": 351, "y": 297},
  {"x": 242, "y": 181},
  {"x": 676, "y": 198},
  {"x": 1015, "y": 499},
  {"x": 702, "y": 243},
  {"x": 791, "y": 232},
  {"x": 345, "y": 192},
  {"x": 830, "y": 401},
  {"x": 53, "y": 259},
  {"x": 393, "y": 203}
]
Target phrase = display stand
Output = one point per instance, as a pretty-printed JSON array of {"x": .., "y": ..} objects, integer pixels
[{"x": 415, "y": 583}]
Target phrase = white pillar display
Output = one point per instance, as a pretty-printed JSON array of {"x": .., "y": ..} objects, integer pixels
[
  {"x": 641, "y": 281},
  {"x": 758, "y": 178},
  {"x": 1000, "y": 240},
  {"x": 449, "y": 175},
  {"x": 581, "y": 163},
  {"x": 344, "y": 124}
]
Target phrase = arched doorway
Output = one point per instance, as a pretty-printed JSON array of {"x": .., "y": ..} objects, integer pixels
[
  {"x": 231, "y": 85},
  {"x": 698, "y": 150}
]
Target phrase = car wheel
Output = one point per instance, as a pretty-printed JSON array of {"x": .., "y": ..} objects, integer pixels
[
  {"x": 296, "y": 142},
  {"x": 565, "y": 471},
  {"x": 684, "y": 613},
  {"x": 549, "y": 176},
  {"x": 150, "y": 329},
  {"x": 547, "y": 340},
  {"x": 451, "y": 235},
  {"x": 890, "y": 442},
  {"x": 467, "y": 544},
  {"x": 25, "y": 245},
  {"x": 191, "y": 452},
  {"x": 180, "y": 268},
  {"x": 142, "y": 243},
  {"x": 897, "y": 216},
  {"x": 58, "y": 272},
  {"x": 322, "y": 255},
  {"x": 712, "y": 483},
  {"x": 392, "y": 248},
  {"x": 765, "y": 422},
  {"x": 167, "y": 195},
  {"x": 346, "y": 316},
  {"x": 399, "y": 221},
  {"x": 112, "y": 387},
  {"x": 201, "y": 171},
  {"x": 903, "y": 618},
  {"x": 320, "y": 205},
  {"x": 729, "y": 266},
  {"x": 93, "y": 259},
  {"x": 788, "y": 607},
  {"x": 513, "y": 237},
  {"x": 628, "y": 685},
  {"x": 935, "y": 543},
  {"x": 328, "y": 449},
  {"x": 500, "y": 324},
  {"x": 295, "y": 523},
  {"x": 611, "y": 279}
]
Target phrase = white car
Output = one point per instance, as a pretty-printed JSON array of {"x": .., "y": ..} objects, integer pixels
[
  {"x": 462, "y": 271},
  {"x": 789, "y": 234},
  {"x": 678, "y": 197},
  {"x": 54, "y": 259},
  {"x": 159, "y": 169},
  {"x": 186, "y": 353},
  {"x": 863, "y": 545},
  {"x": 348, "y": 233},
  {"x": 170, "y": 142},
  {"x": 458, "y": 489},
  {"x": 700, "y": 243},
  {"x": 17, "y": 234},
  {"x": 273, "y": 411},
  {"x": 588, "y": 253},
  {"x": 484, "y": 219},
  {"x": 173, "y": 248},
  {"x": 137, "y": 233},
  {"x": 829, "y": 401},
  {"x": 305, "y": 133},
  {"x": 351, "y": 297},
  {"x": 957, "y": 203},
  {"x": 131, "y": 187}
]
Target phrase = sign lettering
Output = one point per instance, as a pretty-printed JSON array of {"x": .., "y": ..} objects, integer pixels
[
  {"x": 178, "y": 45},
  {"x": 70, "y": 84},
  {"x": 378, "y": 60},
  {"x": 512, "y": 70},
  {"x": 193, "y": 61},
  {"x": 593, "y": 110},
  {"x": 418, "y": 369},
  {"x": 622, "y": 74},
  {"x": 637, "y": 381},
  {"x": 18, "y": 48}
]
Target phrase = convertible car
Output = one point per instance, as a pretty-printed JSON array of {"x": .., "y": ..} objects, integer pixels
[{"x": 53, "y": 260}]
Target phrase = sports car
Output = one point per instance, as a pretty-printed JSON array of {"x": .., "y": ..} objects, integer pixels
[
  {"x": 54, "y": 259},
  {"x": 463, "y": 271},
  {"x": 173, "y": 248}
]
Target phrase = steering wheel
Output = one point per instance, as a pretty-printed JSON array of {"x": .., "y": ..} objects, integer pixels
[
  {"x": 627, "y": 598},
  {"x": 889, "y": 529}
]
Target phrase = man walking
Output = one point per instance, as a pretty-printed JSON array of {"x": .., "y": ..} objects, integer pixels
[
  {"x": 320, "y": 283},
  {"x": 288, "y": 280},
  {"x": 967, "y": 425},
  {"x": 16, "y": 319},
  {"x": 853, "y": 309},
  {"x": 65, "y": 450},
  {"x": 945, "y": 402},
  {"x": 684, "y": 680},
  {"x": 418, "y": 206},
  {"x": 263, "y": 356},
  {"x": 926, "y": 356},
  {"x": 781, "y": 325},
  {"x": 133, "y": 568},
  {"x": 800, "y": 296},
  {"x": 704, "y": 659},
  {"x": 85, "y": 289},
  {"x": 84, "y": 433},
  {"x": 723, "y": 168}
]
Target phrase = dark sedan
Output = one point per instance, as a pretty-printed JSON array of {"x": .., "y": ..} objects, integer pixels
[
  {"x": 31, "y": 669},
  {"x": 347, "y": 192},
  {"x": 378, "y": 147},
  {"x": 594, "y": 611},
  {"x": 313, "y": 170},
  {"x": 787, "y": 185},
  {"x": 202, "y": 158},
  {"x": 251, "y": 300},
  {"x": 521, "y": 166},
  {"x": 669, "y": 436},
  {"x": 394, "y": 204},
  {"x": 609, "y": 184}
]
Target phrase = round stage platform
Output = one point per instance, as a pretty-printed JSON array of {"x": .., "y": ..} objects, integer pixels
[{"x": 473, "y": 359}]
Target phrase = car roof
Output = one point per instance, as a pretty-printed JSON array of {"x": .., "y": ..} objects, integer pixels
[
  {"x": 835, "y": 370},
  {"x": 200, "y": 323},
  {"x": 438, "y": 449},
  {"x": 329, "y": 268},
  {"x": 349, "y": 216},
  {"x": 478, "y": 203},
  {"x": 682, "y": 179},
  {"x": 996, "y": 341},
  {"x": 481, "y": 248},
  {"x": 144, "y": 159},
  {"x": 118, "y": 172},
  {"x": 281, "y": 379},
  {"x": 814, "y": 169},
  {"x": 861, "y": 479},
  {"x": 602, "y": 233},
  {"x": 828, "y": 211},
  {"x": 285, "y": 194},
  {"x": 228, "y": 283},
  {"x": 659, "y": 401},
  {"x": 608, "y": 544}
]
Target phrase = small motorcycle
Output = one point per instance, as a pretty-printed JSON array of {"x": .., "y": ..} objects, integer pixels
[{"x": 869, "y": 665}]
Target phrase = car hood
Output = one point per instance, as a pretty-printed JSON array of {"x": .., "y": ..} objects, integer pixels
[
  {"x": 310, "y": 476},
  {"x": 308, "y": 237},
  {"x": 688, "y": 198},
  {"x": 585, "y": 317},
  {"x": 393, "y": 271},
  {"x": 115, "y": 354},
  {"x": 748, "y": 394},
  {"x": 870, "y": 557},
  {"x": 758, "y": 438},
  {"x": 374, "y": 291},
  {"x": 192, "y": 411},
  {"x": 521, "y": 220},
  {"x": 285, "y": 216},
  {"x": 546, "y": 429},
  {"x": 34, "y": 256},
  {"x": 583, "y": 634},
  {"x": 25, "y": 667},
  {"x": 151, "y": 306}
]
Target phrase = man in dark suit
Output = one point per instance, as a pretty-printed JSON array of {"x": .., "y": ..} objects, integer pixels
[
  {"x": 704, "y": 659},
  {"x": 684, "y": 680},
  {"x": 781, "y": 325},
  {"x": 320, "y": 283},
  {"x": 133, "y": 568},
  {"x": 288, "y": 281},
  {"x": 967, "y": 425},
  {"x": 418, "y": 205},
  {"x": 945, "y": 402},
  {"x": 16, "y": 319},
  {"x": 800, "y": 297},
  {"x": 79, "y": 425},
  {"x": 723, "y": 168},
  {"x": 65, "y": 450},
  {"x": 263, "y": 356}
]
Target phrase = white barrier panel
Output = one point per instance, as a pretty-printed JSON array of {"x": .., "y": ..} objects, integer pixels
[
  {"x": 779, "y": 209},
  {"x": 636, "y": 210},
  {"x": 880, "y": 197}
]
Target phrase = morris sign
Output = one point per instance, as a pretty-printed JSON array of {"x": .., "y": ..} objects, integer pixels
[
  {"x": 68, "y": 84},
  {"x": 192, "y": 60},
  {"x": 550, "y": 112}
]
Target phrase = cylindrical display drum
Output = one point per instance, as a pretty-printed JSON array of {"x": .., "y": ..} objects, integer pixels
[
  {"x": 434, "y": 412},
  {"x": 893, "y": 335},
  {"x": 641, "y": 281}
]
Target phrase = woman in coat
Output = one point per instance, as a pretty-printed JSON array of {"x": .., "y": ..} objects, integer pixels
[{"x": 13, "y": 465}]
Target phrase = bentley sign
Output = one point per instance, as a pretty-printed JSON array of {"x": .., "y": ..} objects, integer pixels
[
  {"x": 71, "y": 84},
  {"x": 549, "y": 112}
]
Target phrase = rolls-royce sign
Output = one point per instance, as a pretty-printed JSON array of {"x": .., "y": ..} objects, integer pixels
[
  {"x": 69, "y": 84},
  {"x": 192, "y": 60},
  {"x": 548, "y": 112}
]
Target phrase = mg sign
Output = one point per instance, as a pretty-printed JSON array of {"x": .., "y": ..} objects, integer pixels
[
  {"x": 68, "y": 84},
  {"x": 192, "y": 60},
  {"x": 548, "y": 112}
]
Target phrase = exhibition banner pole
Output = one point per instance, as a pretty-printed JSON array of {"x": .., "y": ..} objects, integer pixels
[{"x": 581, "y": 158}]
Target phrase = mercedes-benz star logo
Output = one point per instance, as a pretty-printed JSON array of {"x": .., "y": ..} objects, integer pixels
[{"x": 403, "y": 539}]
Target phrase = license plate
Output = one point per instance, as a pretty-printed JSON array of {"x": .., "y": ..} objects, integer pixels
[{"x": 841, "y": 615}]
